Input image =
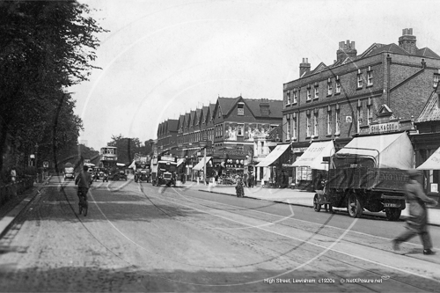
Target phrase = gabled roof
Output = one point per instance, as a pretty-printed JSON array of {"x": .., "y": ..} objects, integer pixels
[
  {"x": 275, "y": 107},
  {"x": 431, "y": 111},
  {"x": 187, "y": 119},
  {"x": 192, "y": 116},
  {"x": 172, "y": 124},
  {"x": 205, "y": 113},
  {"x": 197, "y": 116},
  {"x": 181, "y": 121},
  {"x": 379, "y": 48},
  {"x": 426, "y": 52},
  {"x": 226, "y": 104}
]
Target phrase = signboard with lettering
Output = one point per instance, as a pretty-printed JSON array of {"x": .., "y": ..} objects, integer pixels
[{"x": 385, "y": 127}]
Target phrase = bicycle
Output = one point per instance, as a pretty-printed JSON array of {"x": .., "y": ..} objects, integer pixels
[{"x": 83, "y": 203}]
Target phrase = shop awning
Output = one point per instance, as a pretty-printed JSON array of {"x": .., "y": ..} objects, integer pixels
[
  {"x": 180, "y": 161},
  {"x": 432, "y": 163},
  {"x": 200, "y": 164},
  {"x": 312, "y": 157},
  {"x": 389, "y": 150},
  {"x": 273, "y": 155}
]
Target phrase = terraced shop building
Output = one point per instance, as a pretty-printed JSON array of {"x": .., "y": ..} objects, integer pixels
[
  {"x": 334, "y": 102},
  {"x": 236, "y": 132}
]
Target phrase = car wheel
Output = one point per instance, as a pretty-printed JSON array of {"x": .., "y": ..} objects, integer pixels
[{"x": 354, "y": 206}]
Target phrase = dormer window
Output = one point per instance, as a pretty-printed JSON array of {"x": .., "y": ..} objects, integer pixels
[
  {"x": 240, "y": 109},
  {"x": 264, "y": 109}
]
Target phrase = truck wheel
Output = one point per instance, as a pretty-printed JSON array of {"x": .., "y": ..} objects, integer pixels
[
  {"x": 316, "y": 204},
  {"x": 393, "y": 214},
  {"x": 354, "y": 206}
]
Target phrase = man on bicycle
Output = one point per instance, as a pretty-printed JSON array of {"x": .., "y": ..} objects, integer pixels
[{"x": 83, "y": 180}]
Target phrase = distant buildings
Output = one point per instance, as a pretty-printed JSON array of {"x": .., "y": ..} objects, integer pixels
[{"x": 236, "y": 131}]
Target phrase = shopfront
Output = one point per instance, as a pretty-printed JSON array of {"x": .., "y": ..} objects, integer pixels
[
  {"x": 311, "y": 166},
  {"x": 271, "y": 167}
]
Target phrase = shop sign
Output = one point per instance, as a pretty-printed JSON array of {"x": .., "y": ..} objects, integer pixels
[
  {"x": 299, "y": 150},
  {"x": 385, "y": 127}
]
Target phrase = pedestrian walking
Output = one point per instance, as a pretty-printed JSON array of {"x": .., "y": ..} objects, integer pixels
[{"x": 417, "y": 222}]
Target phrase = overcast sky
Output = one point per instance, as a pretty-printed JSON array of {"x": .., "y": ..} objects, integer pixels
[{"x": 163, "y": 58}]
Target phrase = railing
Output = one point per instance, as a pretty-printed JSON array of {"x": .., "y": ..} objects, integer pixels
[{"x": 12, "y": 189}]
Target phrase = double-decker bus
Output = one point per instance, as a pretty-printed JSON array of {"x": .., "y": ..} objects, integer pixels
[{"x": 108, "y": 157}]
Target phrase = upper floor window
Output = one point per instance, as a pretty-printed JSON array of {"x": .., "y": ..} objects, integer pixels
[
  {"x": 315, "y": 124},
  {"x": 337, "y": 122},
  {"x": 360, "y": 80},
  {"x": 436, "y": 79},
  {"x": 240, "y": 130},
  {"x": 294, "y": 128},
  {"x": 359, "y": 118},
  {"x": 288, "y": 99},
  {"x": 287, "y": 129},
  {"x": 295, "y": 96},
  {"x": 316, "y": 91},
  {"x": 369, "y": 76},
  {"x": 240, "y": 109},
  {"x": 308, "y": 126},
  {"x": 337, "y": 86},
  {"x": 309, "y": 94},
  {"x": 329, "y": 87},
  {"x": 329, "y": 122},
  {"x": 369, "y": 115}
]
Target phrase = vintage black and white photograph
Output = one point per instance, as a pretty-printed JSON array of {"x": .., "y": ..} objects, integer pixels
[{"x": 219, "y": 146}]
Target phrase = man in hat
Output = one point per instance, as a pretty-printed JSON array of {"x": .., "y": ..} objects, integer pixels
[{"x": 417, "y": 223}]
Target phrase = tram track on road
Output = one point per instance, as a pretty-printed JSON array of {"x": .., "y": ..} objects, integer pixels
[{"x": 283, "y": 221}]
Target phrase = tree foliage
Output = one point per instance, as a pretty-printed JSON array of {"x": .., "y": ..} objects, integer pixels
[
  {"x": 45, "y": 47},
  {"x": 128, "y": 147}
]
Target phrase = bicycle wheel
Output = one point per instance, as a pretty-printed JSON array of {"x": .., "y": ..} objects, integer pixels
[
  {"x": 86, "y": 208},
  {"x": 80, "y": 208}
]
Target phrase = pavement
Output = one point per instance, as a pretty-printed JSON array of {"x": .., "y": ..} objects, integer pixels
[
  {"x": 296, "y": 197},
  {"x": 10, "y": 211}
]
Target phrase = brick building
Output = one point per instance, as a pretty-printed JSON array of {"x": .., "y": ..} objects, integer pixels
[
  {"x": 235, "y": 130},
  {"x": 167, "y": 136},
  {"x": 335, "y": 102}
]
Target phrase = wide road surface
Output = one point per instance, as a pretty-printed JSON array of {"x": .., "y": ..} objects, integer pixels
[{"x": 142, "y": 238}]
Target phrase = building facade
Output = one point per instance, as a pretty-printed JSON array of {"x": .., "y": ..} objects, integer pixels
[
  {"x": 234, "y": 131},
  {"x": 167, "y": 136},
  {"x": 335, "y": 102}
]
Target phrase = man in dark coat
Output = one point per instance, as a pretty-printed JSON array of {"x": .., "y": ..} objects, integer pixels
[{"x": 417, "y": 223}]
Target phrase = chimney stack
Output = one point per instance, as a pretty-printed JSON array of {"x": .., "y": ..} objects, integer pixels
[
  {"x": 407, "y": 41},
  {"x": 347, "y": 49},
  {"x": 304, "y": 67}
]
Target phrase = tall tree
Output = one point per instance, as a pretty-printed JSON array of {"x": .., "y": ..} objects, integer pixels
[{"x": 46, "y": 46}]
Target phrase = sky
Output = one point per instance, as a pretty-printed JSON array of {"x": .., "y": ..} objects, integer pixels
[{"x": 163, "y": 58}]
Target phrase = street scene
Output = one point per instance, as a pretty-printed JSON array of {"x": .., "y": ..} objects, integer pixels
[
  {"x": 219, "y": 146},
  {"x": 137, "y": 238}
]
